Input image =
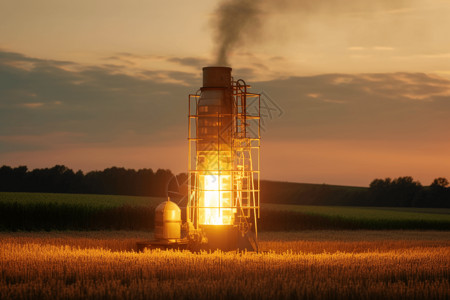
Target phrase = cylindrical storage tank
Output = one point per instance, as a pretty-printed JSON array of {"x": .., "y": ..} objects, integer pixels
[
  {"x": 215, "y": 108},
  {"x": 167, "y": 221},
  {"x": 214, "y": 147}
]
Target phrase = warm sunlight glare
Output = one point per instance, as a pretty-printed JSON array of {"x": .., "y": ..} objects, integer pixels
[{"x": 215, "y": 199}]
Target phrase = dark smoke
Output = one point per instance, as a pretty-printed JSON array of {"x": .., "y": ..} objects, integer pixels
[
  {"x": 238, "y": 21},
  {"x": 235, "y": 20}
]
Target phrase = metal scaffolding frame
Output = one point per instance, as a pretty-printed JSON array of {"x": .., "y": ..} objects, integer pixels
[{"x": 240, "y": 159}]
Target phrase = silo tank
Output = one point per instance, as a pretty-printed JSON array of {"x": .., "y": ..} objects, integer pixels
[
  {"x": 167, "y": 221},
  {"x": 214, "y": 167}
]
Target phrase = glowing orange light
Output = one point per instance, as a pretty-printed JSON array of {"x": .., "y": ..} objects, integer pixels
[{"x": 215, "y": 199}]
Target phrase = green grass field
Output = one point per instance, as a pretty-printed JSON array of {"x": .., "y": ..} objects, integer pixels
[
  {"x": 37, "y": 211},
  {"x": 79, "y": 199},
  {"x": 46, "y": 211},
  {"x": 368, "y": 213},
  {"x": 348, "y": 217}
]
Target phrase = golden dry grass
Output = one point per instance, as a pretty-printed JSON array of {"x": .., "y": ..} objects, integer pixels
[{"x": 314, "y": 265}]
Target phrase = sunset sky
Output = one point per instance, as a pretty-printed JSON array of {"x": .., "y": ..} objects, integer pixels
[{"x": 355, "y": 89}]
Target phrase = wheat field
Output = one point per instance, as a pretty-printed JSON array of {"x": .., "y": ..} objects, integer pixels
[{"x": 294, "y": 265}]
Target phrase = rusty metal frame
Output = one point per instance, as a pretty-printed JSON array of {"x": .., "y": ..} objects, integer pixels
[{"x": 245, "y": 153}]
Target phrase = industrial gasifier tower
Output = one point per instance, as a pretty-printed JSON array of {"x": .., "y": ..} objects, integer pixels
[{"x": 224, "y": 161}]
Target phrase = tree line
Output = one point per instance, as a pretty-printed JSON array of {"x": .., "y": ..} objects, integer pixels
[
  {"x": 110, "y": 181},
  {"x": 398, "y": 192},
  {"x": 406, "y": 192}
]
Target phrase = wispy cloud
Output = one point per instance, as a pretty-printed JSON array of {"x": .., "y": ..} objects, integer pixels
[
  {"x": 103, "y": 106},
  {"x": 96, "y": 100},
  {"x": 189, "y": 61},
  {"x": 374, "y": 106},
  {"x": 32, "y": 104}
]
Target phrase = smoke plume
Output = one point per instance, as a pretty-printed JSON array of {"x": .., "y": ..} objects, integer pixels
[{"x": 236, "y": 22}]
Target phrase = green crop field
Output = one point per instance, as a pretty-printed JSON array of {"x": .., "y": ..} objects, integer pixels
[
  {"x": 46, "y": 211},
  {"x": 38, "y": 211},
  {"x": 348, "y": 217},
  {"x": 79, "y": 199},
  {"x": 367, "y": 213}
]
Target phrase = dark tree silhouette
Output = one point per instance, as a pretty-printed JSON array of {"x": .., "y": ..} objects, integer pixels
[
  {"x": 60, "y": 179},
  {"x": 380, "y": 192},
  {"x": 439, "y": 193},
  {"x": 404, "y": 190},
  {"x": 401, "y": 191},
  {"x": 440, "y": 182}
]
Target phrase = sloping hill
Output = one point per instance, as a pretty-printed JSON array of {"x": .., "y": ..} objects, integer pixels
[{"x": 312, "y": 194}]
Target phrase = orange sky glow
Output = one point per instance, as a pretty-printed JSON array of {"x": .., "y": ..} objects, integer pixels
[{"x": 354, "y": 92}]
